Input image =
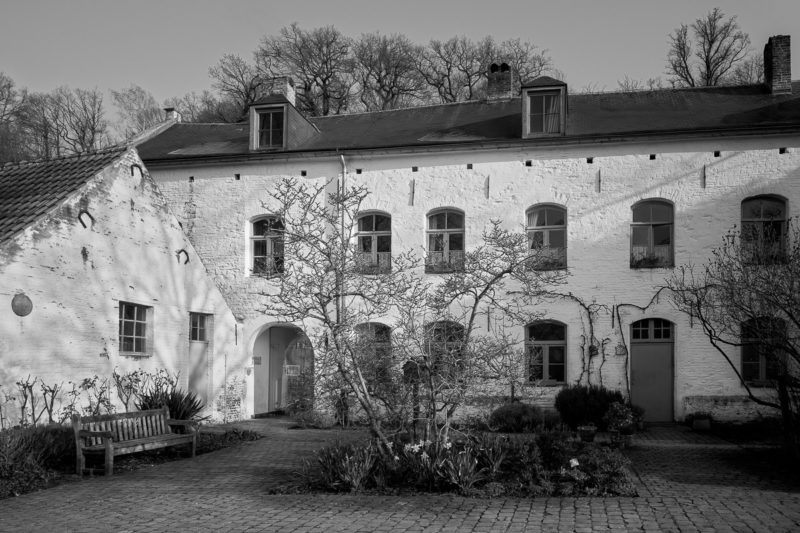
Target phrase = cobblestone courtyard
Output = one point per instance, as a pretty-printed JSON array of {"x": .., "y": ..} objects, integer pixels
[{"x": 687, "y": 482}]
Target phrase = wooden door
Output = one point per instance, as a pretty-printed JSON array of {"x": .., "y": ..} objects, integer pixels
[{"x": 652, "y": 368}]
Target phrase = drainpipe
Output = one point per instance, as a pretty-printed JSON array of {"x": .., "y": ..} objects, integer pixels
[{"x": 340, "y": 306}]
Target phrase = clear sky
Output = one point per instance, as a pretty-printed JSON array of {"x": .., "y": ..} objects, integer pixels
[{"x": 166, "y": 46}]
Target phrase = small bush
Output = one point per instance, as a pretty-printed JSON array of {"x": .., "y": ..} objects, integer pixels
[
  {"x": 515, "y": 418},
  {"x": 163, "y": 391},
  {"x": 30, "y": 456},
  {"x": 586, "y": 404}
]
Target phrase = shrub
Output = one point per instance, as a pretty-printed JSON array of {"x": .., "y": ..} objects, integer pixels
[
  {"x": 620, "y": 417},
  {"x": 163, "y": 391},
  {"x": 585, "y": 404},
  {"x": 28, "y": 457},
  {"x": 515, "y": 418}
]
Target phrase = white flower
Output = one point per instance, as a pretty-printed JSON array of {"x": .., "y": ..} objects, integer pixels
[
  {"x": 573, "y": 463},
  {"x": 448, "y": 445},
  {"x": 396, "y": 457},
  {"x": 424, "y": 456}
]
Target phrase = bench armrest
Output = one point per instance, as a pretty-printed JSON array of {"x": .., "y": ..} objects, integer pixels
[{"x": 101, "y": 434}]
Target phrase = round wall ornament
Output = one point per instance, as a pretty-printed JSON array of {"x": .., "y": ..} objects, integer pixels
[{"x": 21, "y": 304}]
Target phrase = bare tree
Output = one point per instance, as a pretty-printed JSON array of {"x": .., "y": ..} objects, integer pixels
[
  {"x": 12, "y": 100},
  {"x": 138, "y": 110},
  {"x": 442, "y": 344},
  {"x": 386, "y": 70},
  {"x": 204, "y": 107},
  {"x": 85, "y": 126},
  {"x": 455, "y": 68},
  {"x": 320, "y": 62},
  {"x": 526, "y": 60},
  {"x": 629, "y": 84},
  {"x": 708, "y": 54},
  {"x": 237, "y": 81},
  {"x": 749, "y": 72},
  {"x": 746, "y": 298}
]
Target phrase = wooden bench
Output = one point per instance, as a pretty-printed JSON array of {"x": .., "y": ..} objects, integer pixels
[{"x": 125, "y": 433}]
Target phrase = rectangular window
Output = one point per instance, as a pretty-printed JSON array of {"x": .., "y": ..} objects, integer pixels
[
  {"x": 198, "y": 327},
  {"x": 135, "y": 335},
  {"x": 270, "y": 129},
  {"x": 544, "y": 116}
]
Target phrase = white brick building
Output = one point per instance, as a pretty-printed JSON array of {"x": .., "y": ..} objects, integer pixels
[
  {"x": 622, "y": 187},
  {"x": 96, "y": 275}
]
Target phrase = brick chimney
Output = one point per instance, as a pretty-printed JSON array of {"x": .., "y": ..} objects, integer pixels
[
  {"x": 778, "y": 65},
  {"x": 500, "y": 85},
  {"x": 283, "y": 85},
  {"x": 172, "y": 114}
]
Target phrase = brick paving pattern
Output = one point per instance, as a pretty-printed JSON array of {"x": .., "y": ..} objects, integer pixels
[{"x": 687, "y": 482}]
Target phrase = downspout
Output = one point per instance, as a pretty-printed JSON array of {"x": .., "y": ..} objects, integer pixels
[{"x": 340, "y": 307}]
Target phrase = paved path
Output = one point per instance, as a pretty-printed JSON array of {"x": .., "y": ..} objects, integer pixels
[{"x": 688, "y": 482}]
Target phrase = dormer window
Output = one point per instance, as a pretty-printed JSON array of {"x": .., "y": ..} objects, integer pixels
[
  {"x": 270, "y": 128},
  {"x": 544, "y": 109}
]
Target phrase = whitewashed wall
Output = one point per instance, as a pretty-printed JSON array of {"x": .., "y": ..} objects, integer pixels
[
  {"x": 215, "y": 208},
  {"x": 76, "y": 277}
]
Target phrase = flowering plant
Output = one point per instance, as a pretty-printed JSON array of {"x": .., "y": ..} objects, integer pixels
[{"x": 619, "y": 417}]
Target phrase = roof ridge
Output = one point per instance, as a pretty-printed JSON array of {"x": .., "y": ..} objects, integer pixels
[
  {"x": 666, "y": 89},
  {"x": 118, "y": 148}
]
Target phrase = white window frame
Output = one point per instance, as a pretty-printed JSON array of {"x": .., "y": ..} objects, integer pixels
[
  {"x": 449, "y": 260},
  {"x": 373, "y": 261},
  {"x": 269, "y": 240},
  {"x": 256, "y": 117},
  {"x": 532, "y": 344},
  {"x": 548, "y": 258},
  {"x": 141, "y": 338},
  {"x": 527, "y": 93},
  {"x": 756, "y": 248},
  {"x": 199, "y": 326},
  {"x": 652, "y": 259}
]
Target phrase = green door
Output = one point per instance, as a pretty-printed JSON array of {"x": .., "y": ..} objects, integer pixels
[{"x": 652, "y": 374}]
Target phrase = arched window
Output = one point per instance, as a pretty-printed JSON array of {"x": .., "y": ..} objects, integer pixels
[
  {"x": 266, "y": 244},
  {"x": 445, "y": 241},
  {"x": 444, "y": 343},
  {"x": 763, "y": 229},
  {"x": 651, "y": 234},
  {"x": 374, "y": 253},
  {"x": 546, "y": 347},
  {"x": 762, "y": 339},
  {"x": 547, "y": 236},
  {"x": 373, "y": 348}
]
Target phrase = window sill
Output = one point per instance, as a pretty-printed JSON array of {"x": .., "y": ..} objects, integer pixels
[
  {"x": 649, "y": 267},
  {"x": 760, "y": 384},
  {"x": 549, "y": 384},
  {"x": 137, "y": 355}
]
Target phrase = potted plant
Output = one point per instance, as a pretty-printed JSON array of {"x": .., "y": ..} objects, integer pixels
[
  {"x": 621, "y": 423},
  {"x": 701, "y": 421}
]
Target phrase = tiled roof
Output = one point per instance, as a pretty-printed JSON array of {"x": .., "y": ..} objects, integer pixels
[
  {"x": 589, "y": 116},
  {"x": 30, "y": 190}
]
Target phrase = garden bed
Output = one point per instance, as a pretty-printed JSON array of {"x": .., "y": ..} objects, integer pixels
[{"x": 549, "y": 463}]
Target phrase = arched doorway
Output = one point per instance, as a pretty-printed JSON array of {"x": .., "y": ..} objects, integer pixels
[
  {"x": 283, "y": 367},
  {"x": 652, "y": 368}
]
